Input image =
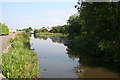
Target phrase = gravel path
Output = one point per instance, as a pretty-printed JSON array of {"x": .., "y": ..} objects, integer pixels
[{"x": 3, "y": 41}]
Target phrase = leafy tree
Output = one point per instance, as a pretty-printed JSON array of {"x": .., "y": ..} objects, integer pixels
[
  {"x": 59, "y": 29},
  {"x": 97, "y": 24},
  {"x": 44, "y": 30},
  {"x": 74, "y": 25},
  {"x": 3, "y": 29},
  {"x": 28, "y": 30}
]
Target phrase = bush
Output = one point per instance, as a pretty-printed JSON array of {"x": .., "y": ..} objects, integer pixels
[
  {"x": 3, "y": 29},
  {"x": 88, "y": 46}
]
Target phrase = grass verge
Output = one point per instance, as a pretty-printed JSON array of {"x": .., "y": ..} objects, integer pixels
[
  {"x": 0, "y": 62},
  {"x": 20, "y": 61}
]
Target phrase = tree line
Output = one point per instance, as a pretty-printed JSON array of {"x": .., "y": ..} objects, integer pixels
[
  {"x": 95, "y": 29},
  {"x": 55, "y": 29}
]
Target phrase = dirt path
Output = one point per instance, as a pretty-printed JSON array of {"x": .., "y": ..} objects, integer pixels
[{"x": 3, "y": 41}]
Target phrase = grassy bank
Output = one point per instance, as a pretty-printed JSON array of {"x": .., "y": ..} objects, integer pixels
[
  {"x": 0, "y": 62},
  {"x": 20, "y": 61},
  {"x": 50, "y": 34}
]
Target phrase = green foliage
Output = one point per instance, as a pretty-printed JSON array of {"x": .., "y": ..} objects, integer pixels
[
  {"x": 3, "y": 29},
  {"x": 20, "y": 61},
  {"x": 49, "y": 34},
  {"x": 9, "y": 41},
  {"x": 28, "y": 30},
  {"x": 88, "y": 46},
  {"x": 42, "y": 30},
  {"x": 74, "y": 25},
  {"x": 56, "y": 30},
  {"x": 0, "y": 62},
  {"x": 96, "y": 29},
  {"x": 59, "y": 29}
]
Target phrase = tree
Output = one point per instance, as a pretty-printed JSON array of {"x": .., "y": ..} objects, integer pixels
[
  {"x": 3, "y": 29},
  {"x": 74, "y": 25},
  {"x": 44, "y": 30},
  {"x": 28, "y": 30},
  {"x": 97, "y": 25}
]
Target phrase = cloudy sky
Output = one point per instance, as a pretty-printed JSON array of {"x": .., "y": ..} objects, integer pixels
[{"x": 18, "y": 15}]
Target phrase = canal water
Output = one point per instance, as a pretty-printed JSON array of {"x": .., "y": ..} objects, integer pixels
[{"x": 57, "y": 60}]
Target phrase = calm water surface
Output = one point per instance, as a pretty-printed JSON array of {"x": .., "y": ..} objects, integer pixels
[{"x": 57, "y": 61}]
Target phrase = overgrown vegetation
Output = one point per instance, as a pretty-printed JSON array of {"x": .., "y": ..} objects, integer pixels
[
  {"x": 59, "y": 29},
  {"x": 53, "y": 31},
  {"x": 20, "y": 61},
  {"x": 0, "y": 62},
  {"x": 28, "y": 30},
  {"x": 50, "y": 34},
  {"x": 95, "y": 29},
  {"x": 3, "y": 29}
]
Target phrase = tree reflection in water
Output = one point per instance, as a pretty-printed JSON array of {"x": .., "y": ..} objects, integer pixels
[{"x": 89, "y": 66}]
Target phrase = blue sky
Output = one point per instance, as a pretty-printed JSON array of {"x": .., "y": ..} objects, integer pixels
[{"x": 18, "y": 15}]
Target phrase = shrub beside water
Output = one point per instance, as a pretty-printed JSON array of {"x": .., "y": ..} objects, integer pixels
[
  {"x": 20, "y": 61},
  {"x": 49, "y": 34}
]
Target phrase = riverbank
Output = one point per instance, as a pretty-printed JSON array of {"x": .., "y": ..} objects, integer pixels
[
  {"x": 54, "y": 51},
  {"x": 3, "y": 47},
  {"x": 50, "y": 34},
  {"x": 20, "y": 61},
  {"x": 0, "y": 63}
]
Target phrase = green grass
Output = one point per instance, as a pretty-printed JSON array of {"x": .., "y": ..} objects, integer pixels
[
  {"x": 20, "y": 61},
  {"x": 9, "y": 41},
  {"x": 0, "y": 62},
  {"x": 51, "y": 34}
]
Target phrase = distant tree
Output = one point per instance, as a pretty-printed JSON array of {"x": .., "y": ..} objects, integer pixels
[
  {"x": 44, "y": 30},
  {"x": 28, "y": 30}
]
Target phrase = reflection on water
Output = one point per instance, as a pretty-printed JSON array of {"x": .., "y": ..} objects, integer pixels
[
  {"x": 59, "y": 59},
  {"x": 93, "y": 67}
]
